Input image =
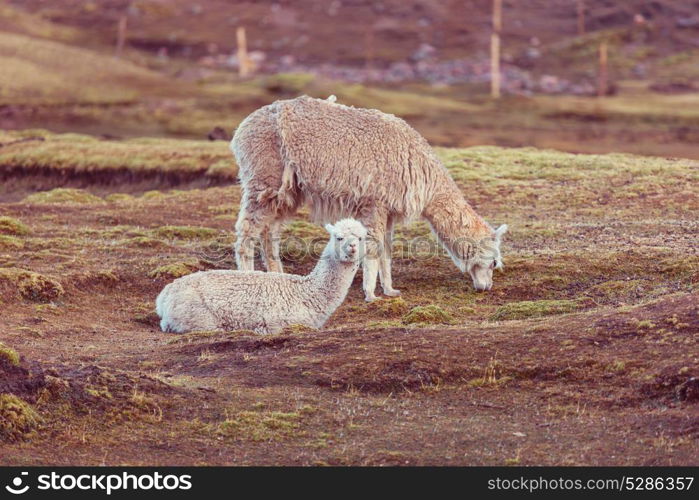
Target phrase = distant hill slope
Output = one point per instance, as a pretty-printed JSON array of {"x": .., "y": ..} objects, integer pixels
[
  {"x": 38, "y": 70},
  {"x": 337, "y": 31}
]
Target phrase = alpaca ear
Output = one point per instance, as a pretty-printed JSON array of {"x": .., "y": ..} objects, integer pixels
[
  {"x": 330, "y": 228},
  {"x": 500, "y": 231}
]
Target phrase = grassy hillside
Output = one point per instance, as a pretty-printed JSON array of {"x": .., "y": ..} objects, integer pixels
[
  {"x": 71, "y": 155},
  {"x": 48, "y": 72}
]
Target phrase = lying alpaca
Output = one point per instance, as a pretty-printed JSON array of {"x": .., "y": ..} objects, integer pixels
[
  {"x": 352, "y": 162},
  {"x": 265, "y": 302}
]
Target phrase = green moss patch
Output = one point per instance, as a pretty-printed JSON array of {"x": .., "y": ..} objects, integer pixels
[
  {"x": 390, "y": 307},
  {"x": 173, "y": 270},
  {"x": 427, "y": 314},
  {"x": 533, "y": 309},
  {"x": 8, "y": 225},
  {"x": 153, "y": 195},
  {"x": 142, "y": 242},
  {"x": 185, "y": 232},
  {"x": 63, "y": 195},
  {"x": 118, "y": 197},
  {"x": 261, "y": 426},
  {"x": 615, "y": 289},
  {"x": 9, "y": 354},
  {"x": 10, "y": 242},
  {"x": 17, "y": 418}
]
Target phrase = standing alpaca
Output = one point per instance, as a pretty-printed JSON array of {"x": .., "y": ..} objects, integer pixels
[
  {"x": 265, "y": 302},
  {"x": 347, "y": 161}
]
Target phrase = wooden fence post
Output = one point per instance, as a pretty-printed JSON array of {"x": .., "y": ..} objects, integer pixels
[
  {"x": 602, "y": 77},
  {"x": 243, "y": 60},
  {"x": 495, "y": 50}
]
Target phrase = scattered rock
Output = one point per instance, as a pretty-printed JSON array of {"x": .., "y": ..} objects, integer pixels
[
  {"x": 423, "y": 52},
  {"x": 687, "y": 22},
  {"x": 219, "y": 134},
  {"x": 673, "y": 87}
]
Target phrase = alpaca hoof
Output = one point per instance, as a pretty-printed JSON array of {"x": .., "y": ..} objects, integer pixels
[
  {"x": 371, "y": 298},
  {"x": 392, "y": 293}
]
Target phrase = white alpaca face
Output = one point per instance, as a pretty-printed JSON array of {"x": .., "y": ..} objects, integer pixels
[
  {"x": 347, "y": 240},
  {"x": 486, "y": 260}
]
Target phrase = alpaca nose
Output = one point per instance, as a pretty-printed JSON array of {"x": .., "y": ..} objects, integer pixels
[{"x": 352, "y": 248}]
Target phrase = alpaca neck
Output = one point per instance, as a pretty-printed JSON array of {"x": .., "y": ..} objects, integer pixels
[
  {"x": 456, "y": 224},
  {"x": 330, "y": 280}
]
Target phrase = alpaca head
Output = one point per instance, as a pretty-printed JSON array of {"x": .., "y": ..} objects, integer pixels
[
  {"x": 485, "y": 259},
  {"x": 347, "y": 240}
]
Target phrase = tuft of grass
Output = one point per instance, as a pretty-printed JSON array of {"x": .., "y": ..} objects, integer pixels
[
  {"x": 142, "y": 242},
  {"x": 533, "y": 309},
  {"x": 10, "y": 242},
  {"x": 296, "y": 329},
  {"x": 390, "y": 307},
  {"x": 11, "y": 226},
  {"x": 174, "y": 270},
  {"x": 17, "y": 418},
  {"x": 153, "y": 194},
  {"x": 260, "y": 425},
  {"x": 185, "y": 232},
  {"x": 63, "y": 195},
  {"x": 427, "y": 314},
  {"x": 9, "y": 354},
  {"x": 615, "y": 289},
  {"x": 30, "y": 285},
  {"x": 492, "y": 376},
  {"x": 645, "y": 324},
  {"x": 118, "y": 197}
]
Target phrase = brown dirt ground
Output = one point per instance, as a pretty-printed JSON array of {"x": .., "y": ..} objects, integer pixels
[{"x": 611, "y": 383}]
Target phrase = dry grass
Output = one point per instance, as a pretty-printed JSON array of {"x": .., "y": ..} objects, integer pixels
[
  {"x": 9, "y": 225},
  {"x": 17, "y": 418},
  {"x": 9, "y": 355},
  {"x": 75, "y": 155},
  {"x": 36, "y": 70},
  {"x": 30, "y": 285}
]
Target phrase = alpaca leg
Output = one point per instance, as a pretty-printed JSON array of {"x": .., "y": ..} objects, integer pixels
[
  {"x": 370, "y": 271},
  {"x": 248, "y": 229},
  {"x": 385, "y": 263},
  {"x": 270, "y": 247},
  {"x": 375, "y": 222}
]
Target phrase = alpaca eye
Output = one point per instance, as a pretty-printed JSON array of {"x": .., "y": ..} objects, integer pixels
[
  {"x": 360, "y": 239},
  {"x": 494, "y": 264}
]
